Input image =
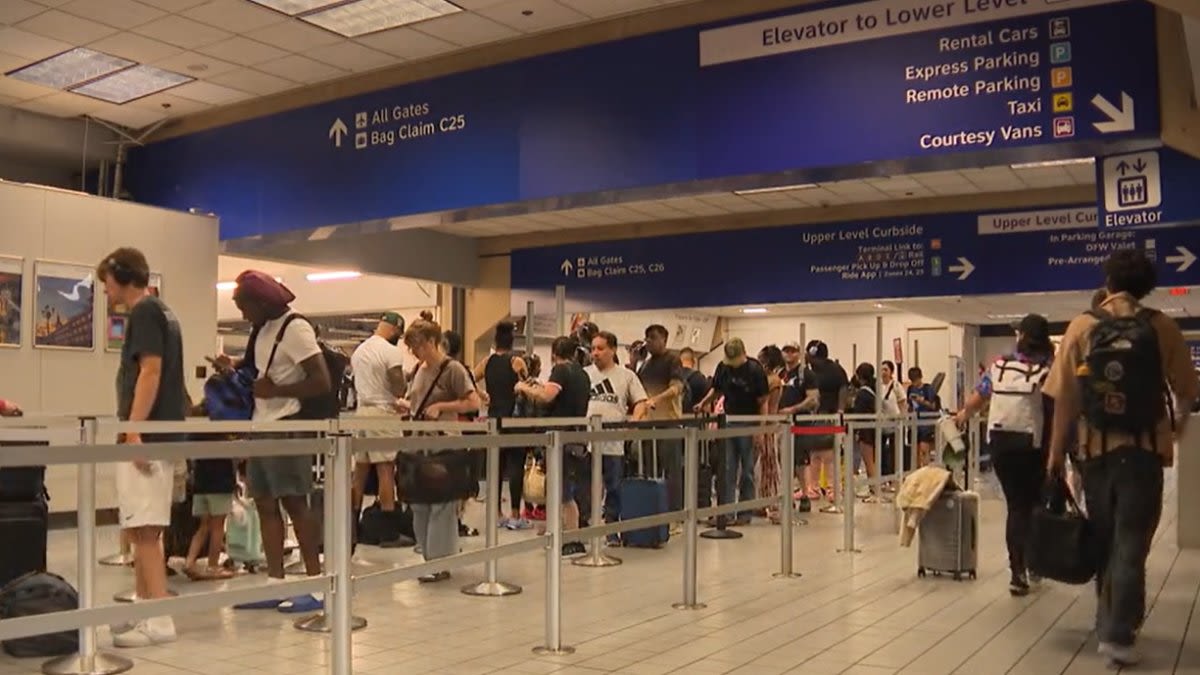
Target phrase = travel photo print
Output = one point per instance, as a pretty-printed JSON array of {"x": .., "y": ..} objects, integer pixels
[
  {"x": 118, "y": 317},
  {"x": 64, "y": 306},
  {"x": 12, "y": 285}
]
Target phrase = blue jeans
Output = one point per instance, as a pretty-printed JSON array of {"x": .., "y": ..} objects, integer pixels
[
  {"x": 739, "y": 454},
  {"x": 614, "y": 472},
  {"x": 1124, "y": 499}
]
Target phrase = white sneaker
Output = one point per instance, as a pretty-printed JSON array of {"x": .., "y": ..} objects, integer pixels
[
  {"x": 1121, "y": 656},
  {"x": 156, "y": 631}
]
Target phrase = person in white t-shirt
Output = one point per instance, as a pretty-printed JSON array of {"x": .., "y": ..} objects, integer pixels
[
  {"x": 290, "y": 368},
  {"x": 379, "y": 380},
  {"x": 616, "y": 393}
]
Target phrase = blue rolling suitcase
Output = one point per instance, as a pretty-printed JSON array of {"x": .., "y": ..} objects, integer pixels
[{"x": 642, "y": 496}]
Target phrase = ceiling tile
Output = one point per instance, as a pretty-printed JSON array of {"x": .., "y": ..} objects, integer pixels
[
  {"x": 17, "y": 89},
  {"x": 465, "y": 29},
  {"x": 52, "y": 3},
  {"x": 173, "y": 5},
  {"x": 135, "y": 47},
  {"x": 118, "y": 13},
  {"x": 62, "y": 26},
  {"x": 207, "y": 92},
  {"x": 242, "y": 51},
  {"x": 177, "y": 105},
  {"x": 183, "y": 32},
  {"x": 294, "y": 36},
  {"x": 406, "y": 43},
  {"x": 542, "y": 15},
  {"x": 602, "y": 8},
  {"x": 301, "y": 69},
  {"x": 245, "y": 16},
  {"x": 351, "y": 56},
  {"x": 253, "y": 81},
  {"x": 61, "y": 104},
  {"x": 130, "y": 116},
  {"x": 472, "y": 5},
  {"x": 13, "y": 11},
  {"x": 195, "y": 65}
]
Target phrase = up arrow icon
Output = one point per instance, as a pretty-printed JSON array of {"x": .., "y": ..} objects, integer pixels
[
  {"x": 337, "y": 131},
  {"x": 1121, "y": 119},
  {"x": 566, "y": 268}
]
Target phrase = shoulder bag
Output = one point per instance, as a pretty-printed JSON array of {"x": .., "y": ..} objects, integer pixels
[{"x": 437, "y": 477}]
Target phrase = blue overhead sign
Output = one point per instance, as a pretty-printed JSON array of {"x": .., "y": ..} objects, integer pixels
[
  {"x": 1148, "y": 188},
  {"x": 1058, "y": 249},
  {"x": 845, "y": 84}
]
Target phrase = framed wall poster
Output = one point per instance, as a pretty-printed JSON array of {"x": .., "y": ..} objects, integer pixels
[
  {"x": 118, "y": 317},
  {"x": 64, "y": 314},
  {"x": 12, "y": 285}
]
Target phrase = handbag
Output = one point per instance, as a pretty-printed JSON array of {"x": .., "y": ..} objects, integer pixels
[
  {"x": 1061, "y": 544},
  {"x": 534, "y": 489},
  {"x": 435, "y": 478}
]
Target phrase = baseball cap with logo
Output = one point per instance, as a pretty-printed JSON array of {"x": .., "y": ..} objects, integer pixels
[{"x": 393, "y": 318}]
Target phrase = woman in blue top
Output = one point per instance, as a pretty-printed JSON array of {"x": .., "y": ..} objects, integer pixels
[{"x": 1017, "y": 423}]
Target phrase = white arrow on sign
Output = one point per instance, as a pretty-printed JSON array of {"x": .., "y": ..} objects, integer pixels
[
  {"x": 1184, "y": 259},
  {"x": 566, "y": 268},
  {"x": 964, "y": 268},
  {"x": 337, "y": 131},
  {"x": 1121, "y": 118}
]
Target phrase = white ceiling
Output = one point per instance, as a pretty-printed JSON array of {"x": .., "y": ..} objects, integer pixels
[
  {"x": 897, "y": 188},
  {"x": 972, "y": 310},
  {"x": 238, "y": 50}
]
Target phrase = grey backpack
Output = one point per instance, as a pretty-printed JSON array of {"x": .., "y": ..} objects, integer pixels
[{"x": 33, "y": 594}]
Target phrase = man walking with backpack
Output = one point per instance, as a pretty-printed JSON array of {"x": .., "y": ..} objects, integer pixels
[{"x": 1116, "y": 371}]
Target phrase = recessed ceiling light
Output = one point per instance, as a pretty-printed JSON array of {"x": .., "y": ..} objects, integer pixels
[
  {"x": 71, "y": 68},
  {"x": 369, "y": 16},
  {"x": 294, "y": 7},
  {"x": 779, "y": 188},
  {"x": 333, "y": 276},
  {"x": 131, "y": 84},
  {"x": 1055, "y": 162},
  {"x": 754, "y": 310},
  {"x": 226, "y": 285}
]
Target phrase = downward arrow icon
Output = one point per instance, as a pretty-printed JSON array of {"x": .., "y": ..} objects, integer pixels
[
  {"x": 1122, "y": 118},
  {"x": 337, "y": 131},
  {"x": 1184, "y": 259}
]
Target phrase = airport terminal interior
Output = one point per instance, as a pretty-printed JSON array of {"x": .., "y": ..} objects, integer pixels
[{"x": 641, "y": 258}]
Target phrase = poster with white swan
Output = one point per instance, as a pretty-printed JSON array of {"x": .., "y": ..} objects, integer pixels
[{"x": 64, "y": 315}]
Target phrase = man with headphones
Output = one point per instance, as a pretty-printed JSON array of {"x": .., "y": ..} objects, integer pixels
[{"x": 150, "y": 386}]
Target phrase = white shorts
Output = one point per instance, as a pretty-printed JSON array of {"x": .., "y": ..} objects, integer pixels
[
  {"x": 144, "y": 500},
  {"x": 376, "y": 457}
]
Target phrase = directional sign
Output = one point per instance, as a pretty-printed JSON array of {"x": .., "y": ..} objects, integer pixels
[
  {"x": 879, "y": 81},
  {"x": 1149, "y": 188},
  {"x": 1057, "y": 249}
]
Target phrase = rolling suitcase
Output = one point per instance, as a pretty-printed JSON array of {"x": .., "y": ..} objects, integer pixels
[
  {"x": 641, "y": 496},
  {"x": 27, "y": 523},
  {"x": 948, "y": 536}
]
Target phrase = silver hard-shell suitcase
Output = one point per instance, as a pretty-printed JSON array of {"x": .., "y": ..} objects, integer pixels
[{"x": 948, "y": 536}]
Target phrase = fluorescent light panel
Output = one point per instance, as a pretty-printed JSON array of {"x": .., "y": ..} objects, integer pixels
[
  {"x": 754, "y": 310},
  {"x": 369, "y": 16},
  {"x": 780, "y": 188},
  {"x": 333, "y": 276},
  {"x": 131, "y": 84},
  {"x": 71, "y": 68},
  {"x": 1055, "y": 162},
  {"x": 294, "y": 7}
]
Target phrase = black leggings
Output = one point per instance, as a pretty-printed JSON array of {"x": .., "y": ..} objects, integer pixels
[
  {"x": 1021, "y": 469},
  {"x": 512, "y": 463}
]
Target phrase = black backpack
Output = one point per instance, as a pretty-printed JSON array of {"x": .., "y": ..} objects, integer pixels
[
  {"x": 328, "y": 405},
  {"x": 1122, "y": 379},
  {"x": 35, "y": 594}
]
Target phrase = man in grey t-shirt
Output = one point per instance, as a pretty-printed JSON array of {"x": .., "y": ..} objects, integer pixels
[{"x": 615, "y": 392}]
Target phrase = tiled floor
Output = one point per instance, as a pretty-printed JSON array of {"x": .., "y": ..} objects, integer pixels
[{"x": 860, "y": 614}]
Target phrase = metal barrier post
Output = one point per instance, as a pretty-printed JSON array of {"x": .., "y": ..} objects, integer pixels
[
  {"x": 342, "y": 589},
  {"x": 787, "y": 508},
  {"x": 839, "y": 458},
  {"x": 87, "y": 661},
  {"x": 554, "y": 525},
  {"x": 596, "y": 556},
  {"x": 691, "y": 529},
  {"x": 722, "y": 470},
  {"x": 491, "y": 586},
  {"x": 336, "y": 480},
  {"x": 848, "y": 496}
]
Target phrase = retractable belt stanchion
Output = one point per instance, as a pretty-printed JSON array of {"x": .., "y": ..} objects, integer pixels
[
  {"x": 691, "y": 530},
  {"x": 722, "y": 531},
  {"x": 849, "y": 498},
  {"x": 787, "y": 508},
  {"x": 554, "y": 536},
  {"x": 88, "y": 661},
  {"x": 491, "y": 586},
  {"x": 596, "y": 556},
  {"x": 336, "y": 524}
]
